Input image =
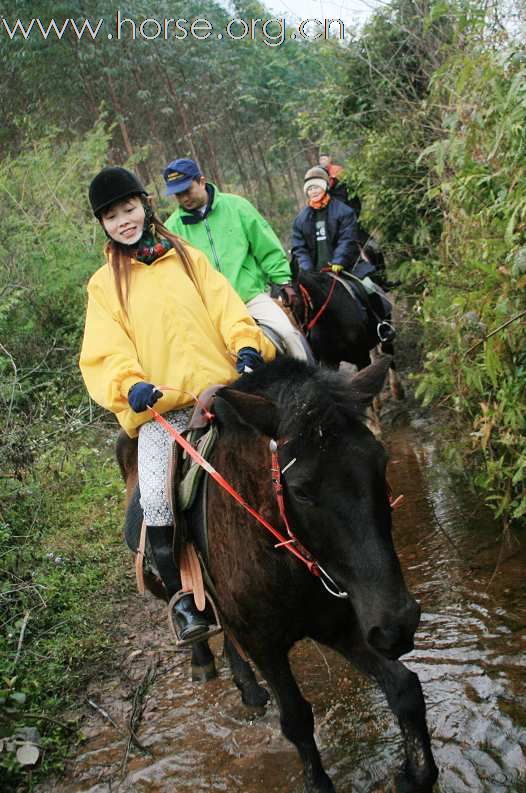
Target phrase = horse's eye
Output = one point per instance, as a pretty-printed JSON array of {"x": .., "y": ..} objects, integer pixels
[{"x": 302, "y": 494}]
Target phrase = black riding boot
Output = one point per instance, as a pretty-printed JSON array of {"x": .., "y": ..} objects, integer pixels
[{"x": 192, "y": 624}]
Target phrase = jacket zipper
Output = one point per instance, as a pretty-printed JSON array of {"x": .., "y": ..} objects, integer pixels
[{"x": 212, "y": 246}]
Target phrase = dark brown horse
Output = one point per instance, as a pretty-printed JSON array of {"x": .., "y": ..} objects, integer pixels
[
  {"x": 337, "y": 504},
  {"x": 343, "y": 329}
]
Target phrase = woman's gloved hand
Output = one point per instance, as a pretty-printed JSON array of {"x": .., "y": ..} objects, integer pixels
[
  {"x": 248, "y": 359},
  {"x": 142, "y": 396},
  {"x": 336, "y": 268}
]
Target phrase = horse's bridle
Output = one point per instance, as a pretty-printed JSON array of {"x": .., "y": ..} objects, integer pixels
[{"x": 277, "y": 472}]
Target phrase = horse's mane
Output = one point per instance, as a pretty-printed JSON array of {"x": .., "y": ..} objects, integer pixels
[{"x": 309, "y": 398}]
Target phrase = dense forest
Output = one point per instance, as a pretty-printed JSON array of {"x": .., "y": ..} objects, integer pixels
[{"x": 424, "y": 106}]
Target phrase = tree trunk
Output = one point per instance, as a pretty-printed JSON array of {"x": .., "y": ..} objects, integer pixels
[
  {"x": 119, "y": 114},
  {"x": 268, "y": 177},
  {"x": 256, "y": 196},
  {"x": 238, "y": 155},
  {"x": 181, "y": 111}
]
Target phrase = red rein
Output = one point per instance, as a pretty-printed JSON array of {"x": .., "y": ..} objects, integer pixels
[
  {"x": 194, "y": 454},
  {"x": 307, "y": 301}
]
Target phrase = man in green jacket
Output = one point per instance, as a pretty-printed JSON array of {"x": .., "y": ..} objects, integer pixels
[{"x": 239, "y": 243}]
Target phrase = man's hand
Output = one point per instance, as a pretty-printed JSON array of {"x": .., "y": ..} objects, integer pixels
[
  {"x": 335, "y": 268},
  {"x": 284, "y": 292}
]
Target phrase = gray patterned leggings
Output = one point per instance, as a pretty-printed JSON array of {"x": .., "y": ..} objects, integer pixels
[{"x": 153, "y": 454}]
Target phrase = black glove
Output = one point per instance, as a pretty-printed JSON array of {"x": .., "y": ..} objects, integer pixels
[
  {"x": 142, "y": 396},
  {"x": 248, "y": 359}
]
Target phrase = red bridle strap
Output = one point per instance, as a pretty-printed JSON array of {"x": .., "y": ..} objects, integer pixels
[
  {"x": 211, "y": 471},
  {"x": 278, "y": 491},
  {"x": 322, "y": 308}
]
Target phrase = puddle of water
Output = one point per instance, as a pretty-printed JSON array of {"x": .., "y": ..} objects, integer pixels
[
  {"x": 469, "y": 656},
  {"x": 469, "y": 651}
]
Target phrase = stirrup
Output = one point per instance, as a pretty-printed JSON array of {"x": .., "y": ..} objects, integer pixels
[
  {"x": 385, "y": 331},
  {"x": 213, "y": 628}
]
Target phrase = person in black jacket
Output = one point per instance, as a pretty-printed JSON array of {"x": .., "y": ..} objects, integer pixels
[{"x": 325, "y": 233}]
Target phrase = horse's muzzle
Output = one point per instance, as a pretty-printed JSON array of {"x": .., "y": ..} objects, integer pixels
[{"x": 394, "y": 637}]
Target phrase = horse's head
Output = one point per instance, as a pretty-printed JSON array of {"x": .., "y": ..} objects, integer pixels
[{"x": 335, "y": 490}]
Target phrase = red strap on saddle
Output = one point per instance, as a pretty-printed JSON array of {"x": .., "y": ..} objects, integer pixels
[{"x": 211, "y": 471}]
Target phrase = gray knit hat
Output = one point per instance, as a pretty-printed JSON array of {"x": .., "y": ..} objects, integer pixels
[{"x": 317, "y": 173}]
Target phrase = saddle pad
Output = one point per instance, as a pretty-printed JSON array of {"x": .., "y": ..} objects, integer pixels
[{"x": 190, "y": 481}]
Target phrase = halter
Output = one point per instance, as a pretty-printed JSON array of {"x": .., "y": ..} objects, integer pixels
[{"x": 277, "y": 472}]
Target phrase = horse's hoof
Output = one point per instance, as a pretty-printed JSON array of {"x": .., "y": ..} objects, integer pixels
[
  {"x": 201, "y": 674},
  {"x": 397, "y": 390},
  {"x": 324, "y": 786},
  {"x": 408, "y": 784},
  {"x": 254, "y": 696},
  {"x": 399, "y": 393}
]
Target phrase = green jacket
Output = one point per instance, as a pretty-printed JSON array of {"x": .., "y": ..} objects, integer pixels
[{"x": 238, "y": 241}]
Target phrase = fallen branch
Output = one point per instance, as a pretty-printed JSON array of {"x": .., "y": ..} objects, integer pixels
[
  {"x": 137, "y": 710},
  {"x": 107, "y": 716},
  {"x": 21, "y": 637},
  {"x": 132, "y": 738},
  {"x": 450, "y": 540},
  {"x": 493, "y": 332},
  {"x": 507, "y": 540},
  {"x": 43, "y": 717}
]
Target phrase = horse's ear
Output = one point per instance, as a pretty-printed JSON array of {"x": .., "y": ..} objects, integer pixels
[
  {"x": 368, "y": 382},
  {"x": 254, "y": 411}
]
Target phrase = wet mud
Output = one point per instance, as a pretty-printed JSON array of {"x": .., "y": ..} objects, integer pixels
[{"x": 469, "y": 656}]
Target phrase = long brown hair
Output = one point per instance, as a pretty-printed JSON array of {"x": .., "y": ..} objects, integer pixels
[{"x": 120, "y": 262}]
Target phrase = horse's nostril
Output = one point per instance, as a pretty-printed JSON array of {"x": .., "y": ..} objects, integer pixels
[{"x": 392, "y": 641}]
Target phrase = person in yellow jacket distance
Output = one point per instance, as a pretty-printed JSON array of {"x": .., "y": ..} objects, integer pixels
[{"x": 158, "y": 314}]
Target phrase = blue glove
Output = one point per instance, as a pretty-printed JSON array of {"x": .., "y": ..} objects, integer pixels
[
  {"x": 142, "y": 396},
  {"x": 248, "y": 359}
]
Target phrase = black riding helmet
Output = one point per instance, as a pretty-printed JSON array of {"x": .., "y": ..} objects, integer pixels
[{"x": 111, "y": 185}]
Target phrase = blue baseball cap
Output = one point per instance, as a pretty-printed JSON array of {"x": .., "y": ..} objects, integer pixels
[{"x": 179, "y": 175}]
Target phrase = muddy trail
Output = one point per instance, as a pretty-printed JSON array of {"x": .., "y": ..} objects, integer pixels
[{"x": 469, "y": 656}]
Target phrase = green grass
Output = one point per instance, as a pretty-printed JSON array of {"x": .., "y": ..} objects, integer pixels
[{"x": 62, "y": 562}]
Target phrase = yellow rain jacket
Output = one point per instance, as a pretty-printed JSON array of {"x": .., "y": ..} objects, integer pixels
[{"x": 171, "y": 336}]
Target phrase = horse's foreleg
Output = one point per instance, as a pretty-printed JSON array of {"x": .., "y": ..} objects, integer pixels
[
  {"x": 252, "y": 694},
  {"x": 297, "y": 721},
  {"x": 203, "y": 663},
  {"x": 404, "y": 695},
  {"x": 395, "y": 384}
]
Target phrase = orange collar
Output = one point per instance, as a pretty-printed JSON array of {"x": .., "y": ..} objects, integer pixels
[{"x": 320, "y": 203}]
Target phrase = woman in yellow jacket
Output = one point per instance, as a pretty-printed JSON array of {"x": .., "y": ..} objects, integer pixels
[{"x": 158, "y": 314}]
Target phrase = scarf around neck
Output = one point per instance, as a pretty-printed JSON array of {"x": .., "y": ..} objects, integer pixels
[
  {"x": 320, "y": 203},
  {"x": 150, "y": 247}
]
